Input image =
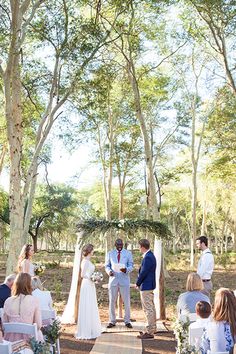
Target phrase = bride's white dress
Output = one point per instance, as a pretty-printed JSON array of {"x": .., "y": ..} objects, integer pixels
[{"x": 89, "y": 324}]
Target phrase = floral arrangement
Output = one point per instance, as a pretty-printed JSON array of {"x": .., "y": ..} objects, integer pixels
[
  {"x": 51, "y": 332},
  {"x": 97, "y": 277},
  {"x": 39, "y": 347},
  {"x": 181, "y": 335},
  {"x": 39, "y": 268}
]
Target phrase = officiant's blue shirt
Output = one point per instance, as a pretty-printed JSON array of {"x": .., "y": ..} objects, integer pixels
[{"x": 120, "y": 278}]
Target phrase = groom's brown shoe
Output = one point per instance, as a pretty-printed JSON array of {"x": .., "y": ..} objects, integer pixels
[
  {"x": 145, "y": 336},
  {"x": 110, "y": 325}
]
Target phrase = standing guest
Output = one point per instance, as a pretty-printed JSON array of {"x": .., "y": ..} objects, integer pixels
[
  {"x": 146, "y": 282},
  {"x": 205, "y": 265},
  {"x": 220, "y": 334},
  {"x": 25, "y": 264},
  {"x": 45, "y": 299},
  {"x": 118, "y": 265},
  {"x": 22, "y": 307},
  {"x": 203, "y": 311},
  {"x": 5, "y": 288},
  {"x": 187, "y": 301}
]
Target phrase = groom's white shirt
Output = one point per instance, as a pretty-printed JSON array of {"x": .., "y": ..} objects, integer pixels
[{"x": 120, "y": 278}]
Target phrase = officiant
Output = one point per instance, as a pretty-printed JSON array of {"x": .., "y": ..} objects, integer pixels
[{"x": 118, "y": 265}]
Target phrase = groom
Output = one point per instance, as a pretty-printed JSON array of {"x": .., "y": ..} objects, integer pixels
[
  {"x": 118, "y": 265},
  {"x": 146, "y": 282}
]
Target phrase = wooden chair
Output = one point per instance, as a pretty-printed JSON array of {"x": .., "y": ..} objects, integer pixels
[
  {"x": 195, "y": 335},
  {"x": 5, "y": 347},
  {"x": 21, "y": 328},
  {"x": 50, "y": 315}
]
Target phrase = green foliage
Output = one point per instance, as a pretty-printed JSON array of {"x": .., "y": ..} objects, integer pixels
[
  {"x": 39, "y": 347},
  {"x": 181, "y": 335},
  {"x": 221, "y": 139},
  {"x": 94, "y": 227},
  {"x": 53, "y": 209},
  {"x": 51, "y": 332}
]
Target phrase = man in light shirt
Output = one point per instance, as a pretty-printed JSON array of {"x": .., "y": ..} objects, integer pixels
[{"x": 205, "y": 264}]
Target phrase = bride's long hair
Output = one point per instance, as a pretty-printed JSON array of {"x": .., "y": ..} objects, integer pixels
[{"x": 24, "y": 254}]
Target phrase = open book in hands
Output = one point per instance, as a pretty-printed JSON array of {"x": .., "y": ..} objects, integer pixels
[{"x": 117, "y": 267}]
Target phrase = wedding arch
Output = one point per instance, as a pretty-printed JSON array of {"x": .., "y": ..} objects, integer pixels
[{"x": 105, "y": 230}]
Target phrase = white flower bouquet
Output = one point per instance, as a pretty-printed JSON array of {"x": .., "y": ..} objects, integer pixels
[
  {"x": 97, "y": 277},
  {"x": 39, "y": 268},
  {"x": 181, "y": 335}
]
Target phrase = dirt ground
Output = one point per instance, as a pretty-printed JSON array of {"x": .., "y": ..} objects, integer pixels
[
  {"x": 164, "y": 343},
  {"x": 57, "y": 279}
]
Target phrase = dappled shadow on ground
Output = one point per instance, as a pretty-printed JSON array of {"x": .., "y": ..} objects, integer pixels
[
  {"x": 164, "y": 343},
  {"x": 70, "y": 345}
]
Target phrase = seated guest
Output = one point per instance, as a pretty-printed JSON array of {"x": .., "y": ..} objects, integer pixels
[
  {"x": 187, "y": 301},
  {"x": 203, "y": 311},
  {"x": 5, "y": 288},
  {"x": 22, "y": 307},
  {"x": 45, "y": 299},
  {"x": 220, "y": 334}
]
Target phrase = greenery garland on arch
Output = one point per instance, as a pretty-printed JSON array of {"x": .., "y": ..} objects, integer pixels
[{"x": 92, "y": 227}]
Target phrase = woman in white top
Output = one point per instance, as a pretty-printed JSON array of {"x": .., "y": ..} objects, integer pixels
[
  {"x": 220, "y": 334},
  {"x": 25, "y": 264},
  {"x": 45, "y": 299},
  {"x": 89, "y": 324}
]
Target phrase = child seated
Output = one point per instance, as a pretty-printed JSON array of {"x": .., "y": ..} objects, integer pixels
[{"x": 203, "y": 311}]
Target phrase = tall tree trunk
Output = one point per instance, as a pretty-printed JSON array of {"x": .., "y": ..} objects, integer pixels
[
  {"x": 151, "y": 186},
  {"x": 2, "y": 156},
  {"x": 174, "y": 233},
  {"x": 216, "y": 238},
  {"x": 13, "y": 113},
  {"x": 121, "y": 203},
  {"x": 195, "y": 155},
  {"x": 204, "y": 218}
]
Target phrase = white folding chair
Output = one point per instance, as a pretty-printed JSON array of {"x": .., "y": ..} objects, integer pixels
[
  {"x": 191, "y": 316},
  {"x": 195, "y": 335},
  {"x": 50, "y": 315},
  {"x": 21, "y": 328},
  {"x": 5, "y": 347},
  {"x": 219, "y": 352}
]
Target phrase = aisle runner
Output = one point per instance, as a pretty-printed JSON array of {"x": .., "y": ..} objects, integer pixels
[{"x": 117, "y": 343}]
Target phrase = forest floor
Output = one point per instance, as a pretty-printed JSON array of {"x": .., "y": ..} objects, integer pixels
[{"x": 57, "y": 279}]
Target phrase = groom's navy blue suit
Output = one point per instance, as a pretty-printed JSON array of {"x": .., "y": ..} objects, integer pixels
[
  {"x": 147, "y": 283},
  {"x": 147, "y": 272}
]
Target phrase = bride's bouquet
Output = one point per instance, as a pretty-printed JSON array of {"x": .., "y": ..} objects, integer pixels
[
  {"x": 97, "y": 277},
  {"x": 39, "y": 268}
]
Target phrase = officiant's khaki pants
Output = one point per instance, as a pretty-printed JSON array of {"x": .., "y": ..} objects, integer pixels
[{"x": 147, "y": 300}]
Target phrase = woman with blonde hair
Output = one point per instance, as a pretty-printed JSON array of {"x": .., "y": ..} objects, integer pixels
[
  {"x": 25, "y": 264},
  {"x": 89, "y": 324},
  {"x": 220, "y": 334},
  {"x": 187, "y": 301},
  {"x": 44, "y": 296},
  {"x": 22, "y": 307}
]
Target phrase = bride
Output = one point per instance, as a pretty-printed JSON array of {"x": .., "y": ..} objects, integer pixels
[{"x": 89, "y": 324}]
